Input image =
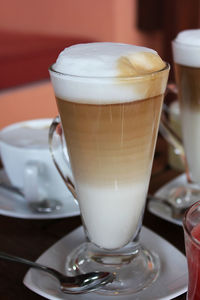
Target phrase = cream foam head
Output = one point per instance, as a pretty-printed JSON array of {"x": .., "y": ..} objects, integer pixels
[
  {"x": 186, "y": 48},
  {"x": 107, "y": 73}
]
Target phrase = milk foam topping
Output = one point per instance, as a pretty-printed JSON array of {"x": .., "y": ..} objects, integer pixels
[
  {"x": 101, "y": 59},
  {"x": 112, "y": 67},
  {"x": 186, "y": 48}
]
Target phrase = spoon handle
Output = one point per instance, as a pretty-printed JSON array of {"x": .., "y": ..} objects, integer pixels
[
  {"x": 12, "y": 189},
  {"x": 17, "y": 259}
]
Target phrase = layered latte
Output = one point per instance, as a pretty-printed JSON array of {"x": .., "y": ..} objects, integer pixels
[
  {"x": 109, "y": 97},
  {"x": 186, "y": 49}
]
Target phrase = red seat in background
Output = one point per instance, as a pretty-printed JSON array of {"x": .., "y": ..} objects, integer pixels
[{"x": 25, "y": 58}]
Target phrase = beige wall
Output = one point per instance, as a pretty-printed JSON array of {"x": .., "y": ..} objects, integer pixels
[{"x": 99, "y": 20}]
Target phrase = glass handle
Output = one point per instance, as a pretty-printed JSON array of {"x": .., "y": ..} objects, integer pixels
[
  {"x": 170, "y": 136},
  {"x": 165, "y": 129},
  {"x": 66, "y": 179}
]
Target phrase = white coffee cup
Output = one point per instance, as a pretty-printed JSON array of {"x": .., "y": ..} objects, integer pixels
[{"x": 27, "y": 161}]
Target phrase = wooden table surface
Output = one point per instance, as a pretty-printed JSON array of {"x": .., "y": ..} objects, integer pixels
[{"x": 30, "y": 238}]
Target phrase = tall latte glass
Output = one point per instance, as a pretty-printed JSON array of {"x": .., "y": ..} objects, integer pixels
[
  {"x": 186, "y": 54},
  {"x": 109, "y": 98}
]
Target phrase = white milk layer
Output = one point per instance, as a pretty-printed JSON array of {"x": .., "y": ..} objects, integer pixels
[
  {"x": 111, "y": 215},
  {"x": 104, "y": 72},
  {"x": 186, "y": 48}
]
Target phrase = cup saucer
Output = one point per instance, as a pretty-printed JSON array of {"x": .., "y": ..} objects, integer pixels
[
  {"x": 14, "y": 205},
  {"x": 170, "y": 283},
  {"x": 163, "y": 211}
]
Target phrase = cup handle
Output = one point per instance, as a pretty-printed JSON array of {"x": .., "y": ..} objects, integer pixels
[
  {"x": 31, "y": 182},
  {"x": 66, "y": 178}
]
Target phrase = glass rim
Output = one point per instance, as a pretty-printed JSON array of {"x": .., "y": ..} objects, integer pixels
[
  {"x": 186, "y": 229},
  {"x": 166, "y": 67}
]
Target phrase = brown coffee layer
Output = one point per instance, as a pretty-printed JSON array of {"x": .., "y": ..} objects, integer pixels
[
  {"x": 188, "y": 80},
  {"x": 113, "y": 143}
]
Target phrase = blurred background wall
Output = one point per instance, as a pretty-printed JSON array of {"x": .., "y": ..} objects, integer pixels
[
  {"x": 104, "y": 20},
  {"x": 33, "y": 32}
]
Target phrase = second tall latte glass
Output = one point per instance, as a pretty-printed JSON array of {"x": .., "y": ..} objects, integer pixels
[
  {"x": 186, "y": 49},
  {"x": 110, "y": 124}
]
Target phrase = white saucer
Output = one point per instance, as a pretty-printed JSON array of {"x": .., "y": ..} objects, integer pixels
[
  {"x": 164, "y": 211},
  {"x": 171, "y": 282},
  {"x": 17, "y": 207},
  {"x": 161, "y": 210}
]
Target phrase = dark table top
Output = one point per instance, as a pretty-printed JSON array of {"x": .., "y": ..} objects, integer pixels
[{"x": 30, "y": 238}]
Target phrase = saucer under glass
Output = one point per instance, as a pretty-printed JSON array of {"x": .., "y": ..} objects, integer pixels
[{"x": 133, "y": 266}]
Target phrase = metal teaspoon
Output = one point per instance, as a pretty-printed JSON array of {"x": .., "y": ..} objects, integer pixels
[{"x": 79, "y": 284}]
